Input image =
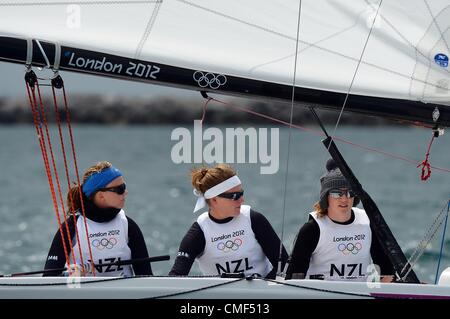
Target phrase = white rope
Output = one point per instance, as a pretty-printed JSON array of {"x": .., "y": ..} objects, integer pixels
[
  {"x": 57, "y": 57},
  {"x": 29, "y": 53},
  {"x": 289, "y": 139},
  {"x": 354, "y": 74},
  {"x": 429, "y": 235},
  {"x": 43, "y": 53}
]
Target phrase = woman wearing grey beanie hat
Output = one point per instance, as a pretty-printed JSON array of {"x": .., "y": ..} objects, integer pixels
[
  {"x": 336, "y": 243},
  {"x": 332, "y": 180}
]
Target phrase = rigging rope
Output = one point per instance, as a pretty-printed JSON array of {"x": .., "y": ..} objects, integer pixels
[
  {"x": 291, "y": 116},
  {"x": 58, "y": 83},
  {"x": 442, "y": 243},
  {"x": 319, "y": 133},
  {"x": 31, "y": 85},
  {"x": 426, "y": 167},
  {"x": 208, "y": 99},
  {"x": 420, "y": 249},
  {"x": 354, "y": 74},
  {"x": 39, "y": 118},
  {"x": 72, "y": 144},
  {"x": 55, "y": 171}
]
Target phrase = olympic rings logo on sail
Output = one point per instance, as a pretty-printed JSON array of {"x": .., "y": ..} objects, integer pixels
[
  {"x": 103, "y": 243},
  {"x": 350, "y": 248},
  {"x": 211, "y": 80},
  {"x": 229, "y": 245}
]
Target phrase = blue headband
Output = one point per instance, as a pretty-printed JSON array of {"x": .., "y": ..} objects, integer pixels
[{"x": 100, "y": 180}]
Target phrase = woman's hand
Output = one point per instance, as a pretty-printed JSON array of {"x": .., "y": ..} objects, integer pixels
[
  {"x": 76, "y": 270},
  {"x": 387, "y": 279}
]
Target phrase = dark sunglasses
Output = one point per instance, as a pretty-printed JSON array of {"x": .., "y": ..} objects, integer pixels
[
  {"x": 337, "y": 193},
  {"x": 232, "y": 196},
  {"x": 116, "y": 189}
]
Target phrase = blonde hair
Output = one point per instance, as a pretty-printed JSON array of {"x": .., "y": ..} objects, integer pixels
[
  {"x": 319, "y": 210},
  {"x": 73, "y": 195},
  {"x": 203, "y": 178}
]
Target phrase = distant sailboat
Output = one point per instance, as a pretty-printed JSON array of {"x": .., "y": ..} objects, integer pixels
[{"x": 379, "y": 58}]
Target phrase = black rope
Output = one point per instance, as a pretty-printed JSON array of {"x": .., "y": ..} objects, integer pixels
[
  {"x": 320, "y": 289},
  {"x": 196, "y": 289}
]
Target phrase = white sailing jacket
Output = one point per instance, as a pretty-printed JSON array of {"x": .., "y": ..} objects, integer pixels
[
  {"x": 109, "y": 243},
  {"x": 343, "y": 251},
  {"x": 231, "y": 247}
]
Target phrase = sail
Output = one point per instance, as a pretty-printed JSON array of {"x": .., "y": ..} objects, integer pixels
[{"x": 394, "y": 66}]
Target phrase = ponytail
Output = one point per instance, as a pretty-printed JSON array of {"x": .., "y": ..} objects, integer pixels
[{"x": 73, "y": 200}]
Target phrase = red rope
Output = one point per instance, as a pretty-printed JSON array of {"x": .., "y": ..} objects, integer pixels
[
  {"x": 426, "y": 167},
  {"x": 78, "y": 177},
  {"x": 55, "y": 171},
  {"x": 319, "y": 133},
  {"x": 58, "y": 121},
  {"x": 40, "y": 118},
  {"x": 40, "y": 135},
  {"x": 204, "y": 109}
]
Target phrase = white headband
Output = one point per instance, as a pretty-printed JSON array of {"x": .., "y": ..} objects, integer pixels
[{"x": 214, "y": 191}]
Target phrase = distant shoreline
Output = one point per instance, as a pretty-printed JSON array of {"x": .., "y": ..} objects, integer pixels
[{"x": 99, "y": 109}]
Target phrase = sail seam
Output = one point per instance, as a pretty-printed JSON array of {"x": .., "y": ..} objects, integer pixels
[
  {"x": 310, "y": 45},
  {"x": 148, "y": 29},
  {"x": 404, "y": 38},
  {"x": 355, "y": 73},
  {"x": 316, "y": 46},
  {"x": 437, "y": 25},
  {"x": 59, "y": 3}
]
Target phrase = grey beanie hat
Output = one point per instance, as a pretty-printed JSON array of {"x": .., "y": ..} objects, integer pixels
[{"x": 333, "y": 179}]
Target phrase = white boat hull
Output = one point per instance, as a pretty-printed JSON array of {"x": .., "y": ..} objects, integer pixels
[{"x": 208, "y": 288}]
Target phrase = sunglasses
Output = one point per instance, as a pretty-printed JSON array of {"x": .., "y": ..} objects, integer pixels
[
  {"x": 116, "y": 189},
  {"x": 340, "y": 193},
  {"x": 232, "y": 196}
]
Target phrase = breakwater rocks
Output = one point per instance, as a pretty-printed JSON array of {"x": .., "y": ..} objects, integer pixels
[{"x": 98, "y": 109}]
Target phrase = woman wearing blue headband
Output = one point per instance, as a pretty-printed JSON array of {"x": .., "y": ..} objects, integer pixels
[{"x": 113, "y": 236}]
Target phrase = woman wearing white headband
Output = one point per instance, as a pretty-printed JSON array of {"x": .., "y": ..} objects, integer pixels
[
  {"x": 113, "y": 236},
  {"x": 229, "y": 237}
]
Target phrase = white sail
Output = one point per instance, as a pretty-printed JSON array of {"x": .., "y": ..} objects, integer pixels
[{"x": 404, "y": 57}]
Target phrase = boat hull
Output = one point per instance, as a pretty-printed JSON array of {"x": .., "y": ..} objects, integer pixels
[{"x": 209, "y": 288}]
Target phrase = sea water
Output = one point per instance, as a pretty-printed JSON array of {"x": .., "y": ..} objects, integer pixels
[{"x": 160, "y": 195}]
